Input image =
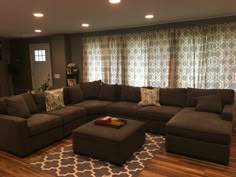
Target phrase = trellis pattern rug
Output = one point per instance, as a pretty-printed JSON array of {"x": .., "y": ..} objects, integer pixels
[{"x": 66, "y": 163}]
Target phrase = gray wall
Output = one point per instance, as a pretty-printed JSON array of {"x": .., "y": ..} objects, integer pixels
[
  {"x": 5, "y": 77},
  {"x": 58, "y": 58},
  {"x": 66, "y": 48},
  {"x": 77, "y": 53},
  {"x": 20, "y": 60}
]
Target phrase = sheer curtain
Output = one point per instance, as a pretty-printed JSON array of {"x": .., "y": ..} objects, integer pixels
[
  {"x": 198, "y": 56},
  {"x": 140, "y": 59},
  {"x": 206, "y": 56}
]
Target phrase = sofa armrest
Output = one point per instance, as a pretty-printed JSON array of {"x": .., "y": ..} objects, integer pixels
[
  {"x": 227, "y": 113},
  {"x": 14, "y": 134}
]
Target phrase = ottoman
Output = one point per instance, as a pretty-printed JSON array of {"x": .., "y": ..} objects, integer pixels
[{"x": 109, "y": 144}]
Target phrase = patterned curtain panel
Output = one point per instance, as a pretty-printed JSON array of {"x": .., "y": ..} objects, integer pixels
[
  {"x": 148, "y": 59},
  {"x": 199, "y": 57},
  {"x": 131, "y": 59},
  {"x": 103, "y": 59},
  {"x": 206, "y": 56}
]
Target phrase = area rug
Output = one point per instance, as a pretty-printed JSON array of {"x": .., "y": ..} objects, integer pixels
[{"x": 65, "y": 163}]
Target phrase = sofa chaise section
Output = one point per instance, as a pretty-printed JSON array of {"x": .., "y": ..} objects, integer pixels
[{"x": 202, "y": 134}]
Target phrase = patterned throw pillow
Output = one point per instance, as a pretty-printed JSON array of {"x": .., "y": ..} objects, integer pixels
[
  {"x": 149, "y": 97},
  {"x": 54, "y": 99}
]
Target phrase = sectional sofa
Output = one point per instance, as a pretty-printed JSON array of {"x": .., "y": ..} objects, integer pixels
[{"x": 196, "y": 122}]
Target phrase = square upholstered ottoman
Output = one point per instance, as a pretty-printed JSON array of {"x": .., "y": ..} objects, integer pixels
[{"x": 109, "y": 144}]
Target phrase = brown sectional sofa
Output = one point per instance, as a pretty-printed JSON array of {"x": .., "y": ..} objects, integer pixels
[{"x": 186, "y": 129}]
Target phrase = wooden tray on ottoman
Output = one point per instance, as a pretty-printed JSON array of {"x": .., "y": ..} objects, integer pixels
[{"x": 112, "y": 122}]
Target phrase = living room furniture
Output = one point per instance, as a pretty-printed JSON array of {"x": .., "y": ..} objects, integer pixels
[
  {"x": 115, "y": 145},
  {"x": 205, "y": 135},
  {"x": 72, "y": 74},
  {"x": 34, "y": 129}
]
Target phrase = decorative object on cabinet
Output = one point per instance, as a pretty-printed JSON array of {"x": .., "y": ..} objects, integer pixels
[{"x": 72, "y": 73}]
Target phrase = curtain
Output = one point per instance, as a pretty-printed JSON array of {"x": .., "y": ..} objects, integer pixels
[
  {"x": 206, "y": 56},
  {"x": 198, "y": 56},
  {"x": 131, "y": 59}
]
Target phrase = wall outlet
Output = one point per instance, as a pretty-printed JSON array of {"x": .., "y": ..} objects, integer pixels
[{"x": 57, "y": 76}]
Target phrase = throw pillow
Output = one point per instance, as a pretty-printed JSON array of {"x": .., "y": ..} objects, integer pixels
[
  {"x": 54, "y": 99},
  {"x": 91, "y": 90},
  {"x": 107, "y": 92},
  {"x": 16, "y": 106},
  {"x": 73, "y": 95},
  {"x": 210, "y": 103},
  {"x": 29, "y": 100},
  {"x": 149, "y": 97}
]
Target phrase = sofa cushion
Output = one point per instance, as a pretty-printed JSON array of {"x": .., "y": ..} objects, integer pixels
[
  {"x": 16, "y": 106},
  {"x": 209, "y": 103},
  {"x": 130, "y": 93},
  {"x": 54, "y": 99},
  {"x": 91, "y": 90},
  {"x": 69, "y": 113},
  {"x": 73, "y": 95},
  {"x": 94, "y": 106},
  {"x": 123, "y": 108},
  {"x": 3, "y": 106},
  {"x": 149, "y": 97},
  {"x": 173, "y": 96},
  {"x": 107, "y": 92},
  {"x": 39, "y": 123},
  {"x": 193, "y": 93},
  {"x": 29, "y": 100},
  {"x": 157, "y": 113},
  {"x": 39, "y": 99},
  {"x": 201, "y": 126}
]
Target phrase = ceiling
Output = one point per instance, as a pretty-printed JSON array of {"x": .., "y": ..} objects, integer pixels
[{"x": 66, "y": 16}]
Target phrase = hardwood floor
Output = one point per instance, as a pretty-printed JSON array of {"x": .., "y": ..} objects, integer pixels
[{"x": 163, "y": 164}]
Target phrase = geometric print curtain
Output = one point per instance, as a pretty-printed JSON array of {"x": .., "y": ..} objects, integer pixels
[
  {"x": 140, "y": 59},
  {"x": 198, "y": 57},
  {"x": 206, "y": 56}
]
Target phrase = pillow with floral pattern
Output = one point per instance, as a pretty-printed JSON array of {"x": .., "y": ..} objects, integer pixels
[
  {"x": 54, "y": 99},
  {"x": 149, "y": 97}
]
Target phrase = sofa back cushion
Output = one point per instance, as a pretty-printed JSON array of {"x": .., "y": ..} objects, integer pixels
[
  {"x": 29, "y": 100},
  {"x": 209, "y": 103},
  {"x": 130, "y": 93},
  {"x": 173, "y": 96},
  {"x": 3, "y": 106},
  {"x": 39, "y": 99},
  {"x": 193, "y": 93},
  {"x": 73, "y": 95},
  {"x": 91, "y": 90},
  {"x": 108, "y": 92},
  {"x": 16, "y": 106}
]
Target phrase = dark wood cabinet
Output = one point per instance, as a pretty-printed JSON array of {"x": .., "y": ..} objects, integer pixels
[{"x": 72, "y": 74}]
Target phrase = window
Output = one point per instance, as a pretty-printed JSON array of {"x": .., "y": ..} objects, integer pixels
[
  {"x": 39, "y": 55},
  {"x": 199, "y": 57}
]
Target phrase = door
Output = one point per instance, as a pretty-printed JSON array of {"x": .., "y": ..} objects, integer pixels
[{"x": 41, "y": 70}]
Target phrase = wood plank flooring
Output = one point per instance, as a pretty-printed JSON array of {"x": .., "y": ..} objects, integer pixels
[{"x": 163, "y": 164}]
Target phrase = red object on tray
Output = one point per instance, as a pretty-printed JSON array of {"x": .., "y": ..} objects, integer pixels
[
  {"x": 110, "y": 122},
  {"x": 106, "y": 119}
]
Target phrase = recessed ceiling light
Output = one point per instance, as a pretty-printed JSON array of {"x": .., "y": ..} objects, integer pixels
[
  {"x": 38, "y": 14},
  {"x": 114, "y": 1},
  {"x": 149, "y": 16},
  {"x": 85, "y": 25},
  {"x": 38, "y": 31}
]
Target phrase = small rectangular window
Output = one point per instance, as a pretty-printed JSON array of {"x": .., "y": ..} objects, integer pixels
[{"x": 39, "y": 55}]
